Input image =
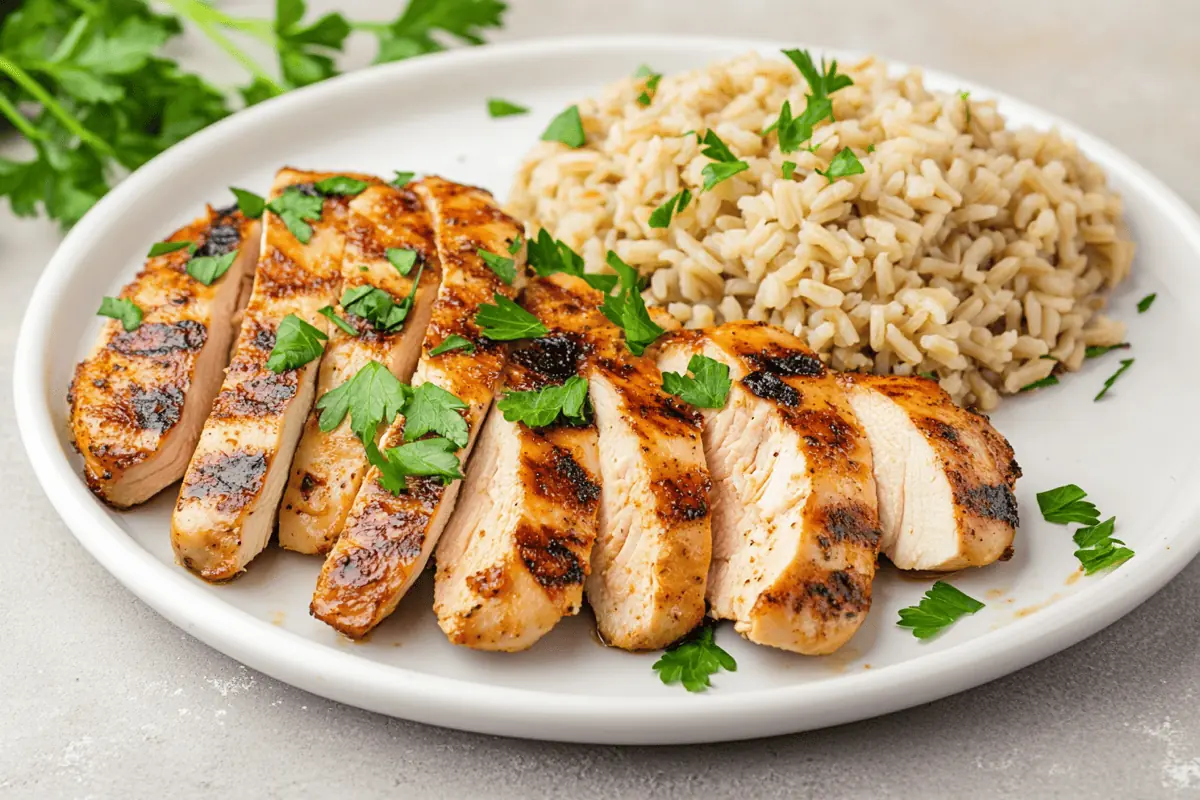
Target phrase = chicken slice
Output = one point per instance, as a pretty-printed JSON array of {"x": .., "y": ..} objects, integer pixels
[
  {"x": 387, "y": 539},
  {"x": 230, "y": 494},
  {"x": 138, "y": 401},
  {"x": 329, "y": 466},
  {"x": 795, "y": 526},
  {"x": 945, "y": 476},
  {"x": 514, "y": 556}
]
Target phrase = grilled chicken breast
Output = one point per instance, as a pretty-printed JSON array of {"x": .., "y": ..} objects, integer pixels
[
  {"x": 387, "y": 539},
  {"x": 329, "y": 467},
  {"x": 795, "y": 526},
  {"x": 227, "y": 504},
  {"x": 138, "y": 401},
  {"x": 514, "y": 556},
  {"x": 945, "y": 477}
]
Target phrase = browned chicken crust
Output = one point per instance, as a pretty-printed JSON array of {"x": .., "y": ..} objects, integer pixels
[{"x": 138, "y": 401}]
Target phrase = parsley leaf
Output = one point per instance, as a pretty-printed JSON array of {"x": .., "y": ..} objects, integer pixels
[
  {"x": 296, "y": 209},
  {"x": 372, "y": 397},
  {"x": 941, "y": 607},
  {"x": 296, "y": 344},
  {"x": 304, "y": 49},
  {"x": 676, "y": 203},
  {"x": 1144, "y": 304},
  {"x": 162, "y": 248},
  {"x": 1097, "y": 350},
  {"x": 401, "y": 259},
  {"x": 123, "y": 309},
  {"x": 433, "y": 409},
  {"x": 412, "y": 33},
  {"x": 650, "y": 86},
  {"x": 453, "y": 342},
  {"x": 207, "y": 269},
  {"x": 823, "y": 82},
  {"x": 727, "y": 164},
  {"x": 543, "y": 407},
  {"x": 793, "y": 132},
  {"x": 250, "y": 204},
  {"x": 328, "y": 313},
  {"x": 547, "y": 255},
  {"x": 1049, "y": 380},
  {"x": 375, "y": 306},
  {"x": 1065, "y": 504},
  {"x": 844, "y": 164},
  {"x": 505, "y": 268},
  {"x": 402, "y": 179},
  {"x": 503, "y": 108},
  {"x": 965, "y": 97},
  {"x": 693, "y": 660},
  {"x": 506, "y": 321},
  {"x": 434, "y": 457},
  {"x": 1126, "y": 363},
  {"x": 567, "y": 128},
  {"x": 788, "y": 169},
  {"x": 1098, "y": 550},
  {"x": 708, "y": 387},
  {"x": 627, "y": 310},
  {"x": 340, "y": 185}
]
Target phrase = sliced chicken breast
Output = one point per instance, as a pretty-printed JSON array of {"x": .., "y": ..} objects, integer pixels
[
  {"x": 795, "y": 526},
  {"x": 945, "y": 477},
  {"x": 513, "y": 558},
  {"x": 138, "y": 401},
  {"x": 227, "y": 504},
  {"x": 387, "y": 538},
  {"x": 329, "y": 466}
]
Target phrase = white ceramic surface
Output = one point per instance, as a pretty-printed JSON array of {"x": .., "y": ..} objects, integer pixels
[{"x": 1130, "y": 451}]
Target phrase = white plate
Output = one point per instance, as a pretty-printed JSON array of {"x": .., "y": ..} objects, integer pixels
[{"x": 1135, "y": 452}]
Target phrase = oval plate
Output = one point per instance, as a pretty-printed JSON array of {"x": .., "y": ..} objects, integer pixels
[{"x": 1135, "y": 452}]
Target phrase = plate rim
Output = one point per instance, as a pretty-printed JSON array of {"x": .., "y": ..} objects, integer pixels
[{"x": 525, "y": 713}]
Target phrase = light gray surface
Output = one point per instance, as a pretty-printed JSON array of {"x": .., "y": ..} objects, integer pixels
[{"x": 102, "y": 698}]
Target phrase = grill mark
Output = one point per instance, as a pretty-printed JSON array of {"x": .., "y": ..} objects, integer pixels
[
  {"x": 854, "y": 523},
  {"x": 158, "y": 409},
  {"x": 683, "y": 498},
  {"x": 488, "y": 582},
  {"x": 551, "y": 563},
  {"x": 235, "y": 478},
  {"x": 789, "y": 365},
  {"x": 221, "y": 239},
  {"x": 383, "y": 540},
  {"x": 991, "y": 502},
  {"x": 160, "y": 338},
  {"x": 555, "y": 357},
  {"x": 768, "y": 386},
  {"x": 278, "y": 275},
  {"x": 266, "y": 394}
]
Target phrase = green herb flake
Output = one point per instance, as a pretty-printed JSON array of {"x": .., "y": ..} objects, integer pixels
[
  {"x": 435, "y": 457},
  {"x": 965, "y": 97},
  {"x": 547, "y": 255},
  {"x": 1097, "y": 350},
  {"x": 727, "y": 164},
  {"x": 1126, "y": 363},
  {"x": 694, "y": 660},
  {"x": 675, "y": 204},
  {"x": 340, "y": 185},
  {"x": 942, "y": 606},
  {"x": 402, "y": 259},
  {"x": 1098, "y": 549},
  {"x": 517, "y": 243},
  {"x": 123, "y": 309},
  {"x": 453, "y": 342},
  {"x": 1066, "y": 504},
  {"x": 844, "y": 164},
  {"x": 328, "y": 313},
  {"x": 432, "y": 409},
  {"x": 788, "y": 170},
  {"x": 1049, "y": 380},
  {"x": 402, "y": 179},
  {"x": 497, "y": 108},
  {"x": 649, "y": 87},
  {"x": 542, "y": 407},
  {"x": 504, "y": 267},
  {"x": 627, "y": 310},
  {"x": 1144, "y": 304},
  {"x": 208, "y": 269},
  {"x": 506, "y": 321},
  {"x": 296, "y": 344},
  {"x": 162, "y": 248},
  {"x": 822, "y": 82},
  {"x": 707, "y": 387},
  {"x": 567, "y": 128},
  {"x": 296, "y": 209},
  {"x": 250, "y": 204},
  {"x": 372, "y": 397}
]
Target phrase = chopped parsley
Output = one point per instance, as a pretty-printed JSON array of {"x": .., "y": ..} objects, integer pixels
[
  {"x": 707, "y": 387},
  {"x": 296, "y": 209},
  {"x": 162, "y": 248},
  {"x": 942, "y": 606},
  {"x": 340, "y": 185},
  {"x": 1144, "y": 304},
  {"x": 547, "y": 255},
  {"x": 1066, "y": 504},
  {"x": 453, "y": 342},
  {"x": 402, "y": 179},
  {"x": 822, "y": 82},
  {"x": 402, "y": 259},
  {"x": 296, "y": 344},
  {"x": 567, "y": 128},
  {"x": 372, "y": 397},
  {"x": 844, "y": 164},
  {"x": 726, "y": 163},
  {"x": 627, "y": 310},
  {"x": 431, "y": 409},
  {"x": 1097, "y": 350},
  {"x": 375, "y": 306},
  {"x": 794, "y": 132},
  {"x": 207, "y": 269},
  {"x": 1126, "y": 363},
  {"x": 965, "y": 97},
  {"x": 1098, "y": 550},
  {"x": 517, "y": 243},
  {"x": 250, "y": 204},
  {"x": 328, "y": 313},
  {"x": 692, "y": 661},
  {"x": 506, "y": 321},
  {"x": 650, "y": 86},
  {"x": 123, "y": 309},
  {"x": 504, "y": 267},
  {"x": 434, "y": 457},
  {"x": 676, "y": 203},
  {"x": 498, "y": 107},
  {"x": 543, "y": 407},
  {"x": 1049, "y": 380},
  {"x": 788, "y": 170}
]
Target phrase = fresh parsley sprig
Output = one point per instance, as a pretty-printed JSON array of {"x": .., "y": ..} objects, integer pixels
[
  {"x": 707, "y": 387},
  {"x": 725, "y": 165},
  {"x": 542, "y": 407},
  {"x": 296, "y": 344},
  {"x": 123, "y": 309},
  {"x": 693, "y": 661},
  {"x": 498, "y": 107},
  {"x": 296, "y": 209},
  {"x": 453, "y": 342},
  {"x": 1098, "y": 549},
  {"x": 207, "y": 269},
  {"x": 1066, "y": 504},
  {"x": 843, "y": 165},
  {"x": 821, "y": 82},
  {"x": 566, "y": 128},
  {"x": 505, "y": 321},
  {"x": 431, "y": 409},
  {"x": 941, "y": 607},
  {"x": 627, "y": 310},
  {"x": 649, "y": 85},
  {"x": 434, "y": 457},
  {"x": 675, "y": 204},
  {"x": 372, "y": 397},
  {"x": 547, "y": 255},
  {"x": 504, "y": 267}
]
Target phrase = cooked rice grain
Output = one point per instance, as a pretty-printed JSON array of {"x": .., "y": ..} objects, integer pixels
[{"x": 965, "y": 249}]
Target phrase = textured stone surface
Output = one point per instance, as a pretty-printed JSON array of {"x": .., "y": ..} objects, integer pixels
[{"x": 102, "y": 698}]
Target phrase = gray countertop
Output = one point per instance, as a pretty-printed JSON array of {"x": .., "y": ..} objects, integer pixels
[{"x": 103, "y": 698}]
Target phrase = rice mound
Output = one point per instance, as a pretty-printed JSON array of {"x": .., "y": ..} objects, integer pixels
[{"x": 966, "y": 249}]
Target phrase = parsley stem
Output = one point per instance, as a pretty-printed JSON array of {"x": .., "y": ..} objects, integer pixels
[
  {"x": 205, "y": 17},
  {"x": 35, "y": 90},
  {"x": 370, "y": 27},
  {"x": 14, "y": 115}
]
